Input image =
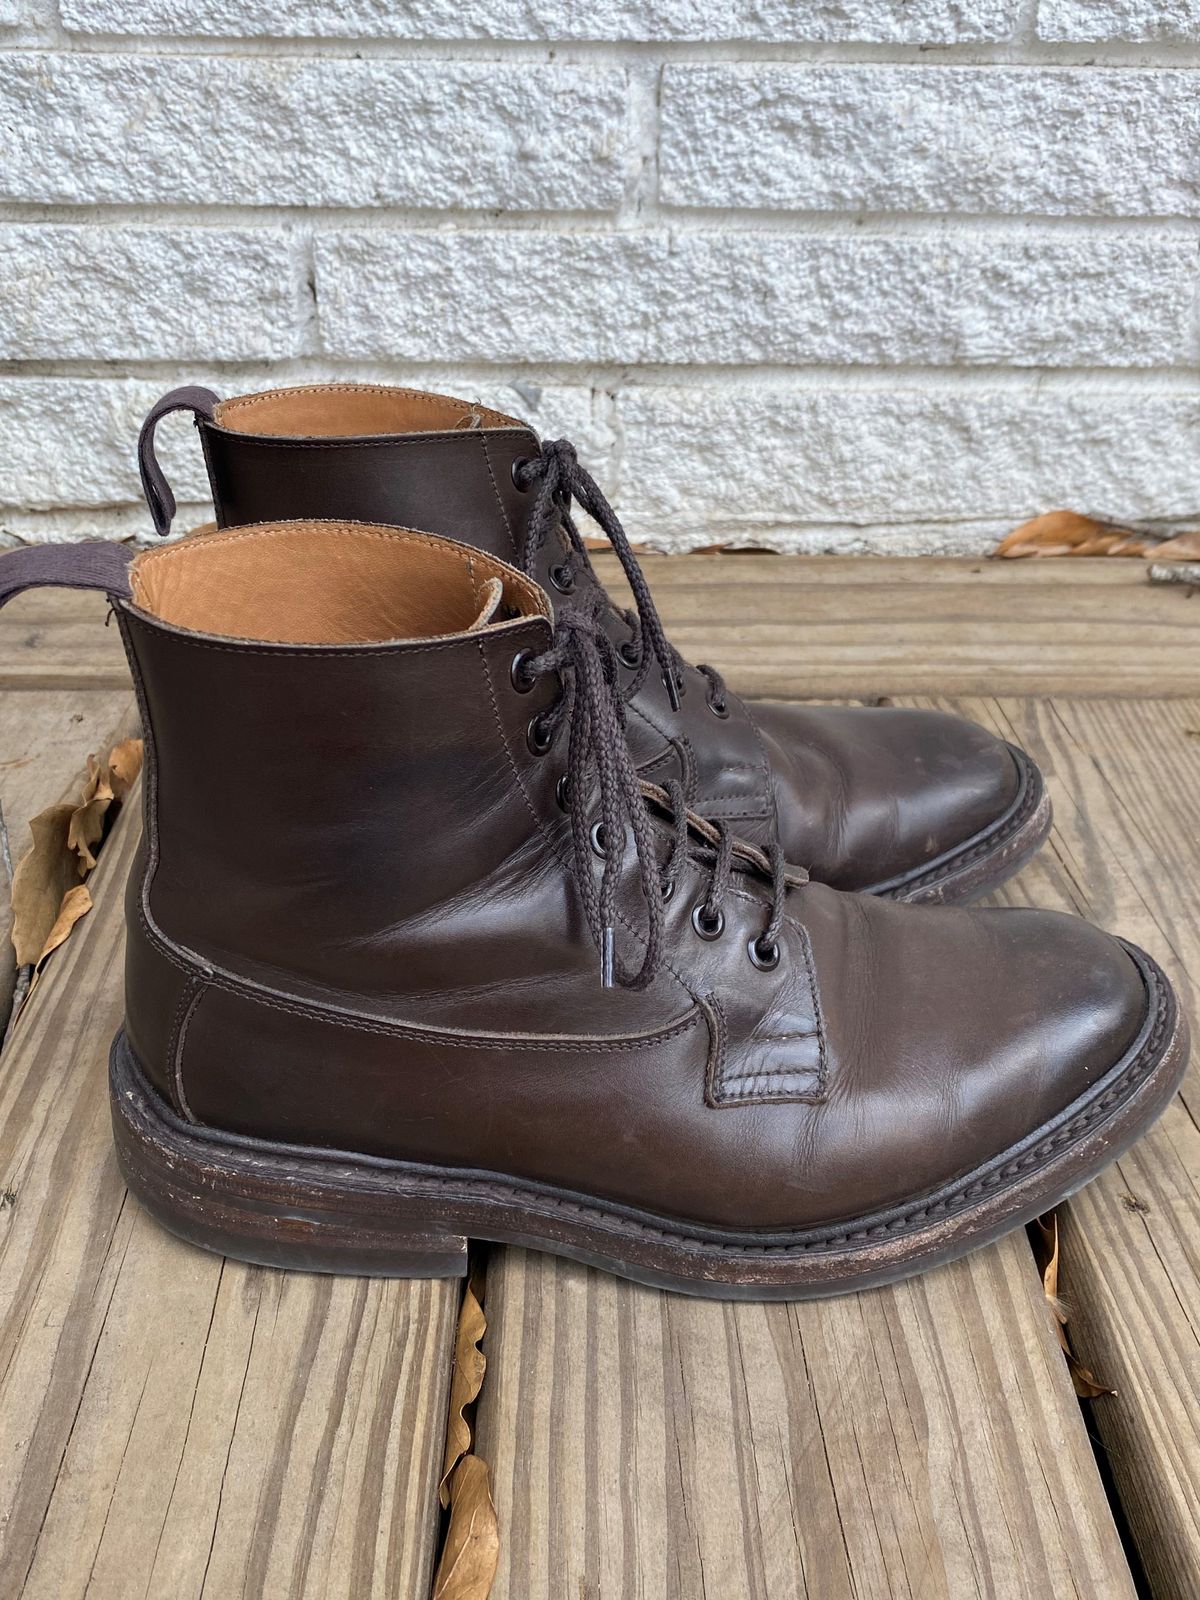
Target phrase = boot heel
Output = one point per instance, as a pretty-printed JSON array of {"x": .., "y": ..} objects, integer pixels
[{"x": 265, "y": 1204}]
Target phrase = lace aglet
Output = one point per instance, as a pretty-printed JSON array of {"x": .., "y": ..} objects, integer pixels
[
  {"x": 672, "y": 684},
  {"x": 606, "y": 959}
]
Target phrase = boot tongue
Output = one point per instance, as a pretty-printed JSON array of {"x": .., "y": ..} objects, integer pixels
[{"x": 493, "y": 591}]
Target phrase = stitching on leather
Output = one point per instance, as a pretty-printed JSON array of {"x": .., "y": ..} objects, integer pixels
[
  {"x": 337, "y": 529},
  {"x": 208, "y": 977},
  {"x": 764, "y": 766},
  {"x": 487, "y": 461},
  {"x": 324, "y": 652},
  {"x": 716, "y": 1056},
  {"x": 184, "y": 1014},
  {"x": 202, "y": 425},
  {"x": 246, "y": 402},
  {"x": 386, "y": 441},
  {"x": 457, "y": 1041},
  {"x": 897, "y": 1226},
  {"x": 730, "y": 809},
  {"x": 752, "y": 1088}
]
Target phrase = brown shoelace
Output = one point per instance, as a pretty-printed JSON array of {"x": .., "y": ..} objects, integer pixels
[
  {"x": 584, "y": 658},
  {"x": 560, "y": 481}
]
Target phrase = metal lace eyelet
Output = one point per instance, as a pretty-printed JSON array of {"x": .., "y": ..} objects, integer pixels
[
  {"x": 561, "y": 792},
  {"x": 719, "y": 708},
  {"x": 518, "y": 470},
  {"x": 707, "y": 927},
  {"x": 522, "y": 679},
  {"x": 668, "y": 891},
  {"x": 629, "y": 654},
  {"x": 599, "y": 839},
  {"x": 562, "y": 578},
  {"x": 765, "y": 958},
  {"x": 539, "y": 735}
]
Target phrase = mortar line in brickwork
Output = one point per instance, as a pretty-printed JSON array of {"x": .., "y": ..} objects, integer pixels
[
  {"x": 745, "y": 380},
  {"x": 1011, "y": 52},
  {"x": 916, "y": 535},
  {"x": 665, "y": 220}
]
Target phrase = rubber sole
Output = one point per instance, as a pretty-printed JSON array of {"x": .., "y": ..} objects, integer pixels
[
  {"x": 988, "y": 859},
  {"x": 325, "y": 1211}
]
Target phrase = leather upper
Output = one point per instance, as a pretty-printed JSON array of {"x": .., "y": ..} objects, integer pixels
[
  {"x": 860, "y": 796},
  {"x": 358, "y": 925}
]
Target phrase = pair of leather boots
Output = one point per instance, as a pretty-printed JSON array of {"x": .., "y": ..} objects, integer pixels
[{"x": 466, "y": 908}]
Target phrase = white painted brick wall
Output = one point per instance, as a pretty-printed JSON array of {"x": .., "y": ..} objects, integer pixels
[{"x": 847, "y": 274}]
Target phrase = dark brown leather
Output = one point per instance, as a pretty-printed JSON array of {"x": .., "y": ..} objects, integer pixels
[
  {"x": 358, "y": 926},
  {"x": 862, "y": 796},
  {"x": 159, "y": 498}
]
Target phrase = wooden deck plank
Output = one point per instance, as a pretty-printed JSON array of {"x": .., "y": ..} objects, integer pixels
[
  {"x": 56, "y": 639},
  {"x": 848, "y": 627},
  {"x": 1126, "y": 852},
  {"x": 45, "y": 738},
  {"x": 172, "y": 1424},
  {"x": 816, "y": 627},
  {"x": 921, "y": 1440}
]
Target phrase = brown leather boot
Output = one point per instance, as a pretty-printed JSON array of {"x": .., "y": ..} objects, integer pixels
[
  {"x": 414, "y": 957},
  {"x": 913, "y": 805}
]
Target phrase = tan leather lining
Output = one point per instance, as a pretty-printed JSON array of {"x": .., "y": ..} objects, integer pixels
[
  {"x": 348, "y": 410},
  {"x": 329, "y": 583}
]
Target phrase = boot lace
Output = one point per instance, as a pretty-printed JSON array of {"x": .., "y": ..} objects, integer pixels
[
  {"x": 599, "y": 760},
  {"x": 561, "y": 481}
]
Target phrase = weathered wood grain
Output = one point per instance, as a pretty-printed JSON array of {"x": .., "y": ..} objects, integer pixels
[
  {"x": 815, "y": 627},
  {"x": 915, "y": 1441},
  {"x": 842, "y": 627},
  {"x": 172, "y": 1424},
  {"x": 46, "y": 736},
  {"x": 56, "y": 639},
  {"x": 1125, "y": 852}
]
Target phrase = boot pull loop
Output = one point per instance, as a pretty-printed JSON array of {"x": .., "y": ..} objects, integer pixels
[
  {"x": 96, "y": 564},
  {"x": 200, "y": 402}
]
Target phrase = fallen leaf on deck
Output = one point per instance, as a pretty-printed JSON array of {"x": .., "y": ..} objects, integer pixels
[
  {"x": 471, "y": 1552},
  {"x": 108, "y": 781},
  {"x": 1184, "y": 547},
  {"x": 76, "y": 903},
  {"x": 1070, "y": 533},
  {"x": 466, "y": 1381},
  {"x": 1046, "y": 1232},
  {"x": 41, "y": 880},
  {"x": 65, "y": 839}
]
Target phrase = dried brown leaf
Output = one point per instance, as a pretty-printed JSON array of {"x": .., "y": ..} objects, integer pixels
[
  {"x": 86, "y": 827},
  {"x": 41, "y": 879},
  {"x": 471, "y": 1552},
  {"x": 466, "y": 1381},
  {"x": 1046, "y": 1235},
  {"x": 76, "y": 903},
  {"x": 108, "y": 781},
  {"x": 124, "y": 764},
  {"x": 1184, "y": 547},
  {"x": 1070, "y": 533},
  {"x": 65, "y": 839}
]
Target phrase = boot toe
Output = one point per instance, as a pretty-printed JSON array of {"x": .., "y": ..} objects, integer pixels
[
  {"x": 1074, "y": 1001},
  {"x": 872, "y": 796},
  {"x": 982, "y": 1027}
]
